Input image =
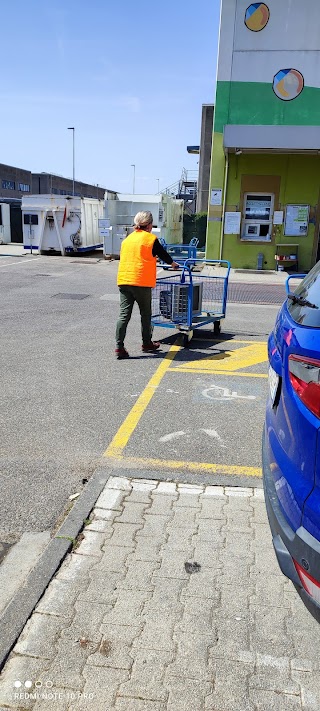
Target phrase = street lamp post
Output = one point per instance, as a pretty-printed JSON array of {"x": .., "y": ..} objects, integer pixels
[
  {"x": 71, "y": 128},
  {"x": 134, "y": 177},
  {"x": 158, "y": 179}
]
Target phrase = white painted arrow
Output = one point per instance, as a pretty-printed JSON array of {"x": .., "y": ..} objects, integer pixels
[
  {"x": 171, "y": 436},
  {"x": 215, "y": 435}
]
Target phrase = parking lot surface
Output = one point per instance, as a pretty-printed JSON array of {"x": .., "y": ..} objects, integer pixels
[
  {"x": 64, "y": 396},
  {"x": 201, "y": 409}
]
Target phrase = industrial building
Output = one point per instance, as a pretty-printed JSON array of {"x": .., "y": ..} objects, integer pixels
[
  {"x": 205, "y": 157},
  {"x": 51, "y": 184},
  {"x": 201, "y": 187},
  {"x": 264, "y": 205},
  {"x": 14, "y": 182}
]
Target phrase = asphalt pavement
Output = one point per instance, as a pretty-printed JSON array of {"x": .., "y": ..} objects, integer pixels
[{"x": 64, "y": 395}]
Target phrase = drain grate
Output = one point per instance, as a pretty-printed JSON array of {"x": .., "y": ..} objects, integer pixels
[
  {"x": 86, "y": 261},
  {"x": 75, "y": 297},
  {"x": 256, "y": 293}
]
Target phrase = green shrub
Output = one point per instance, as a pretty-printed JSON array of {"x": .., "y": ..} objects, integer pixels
[{"x": 195, "y": 226}]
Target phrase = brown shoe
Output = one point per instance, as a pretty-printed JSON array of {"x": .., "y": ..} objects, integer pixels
[
  {"x": 151, "y": 347},
  {"x": 121, "y": 353}
]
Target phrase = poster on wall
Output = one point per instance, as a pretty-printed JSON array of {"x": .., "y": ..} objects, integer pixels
[
  {"x": 216, "y": 196},
  {"x": 297, "y": 220},
  {"x": 232, "y": 222},
  {"x": 278, "y": 217}
]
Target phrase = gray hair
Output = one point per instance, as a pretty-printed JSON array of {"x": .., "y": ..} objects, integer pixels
[{"x": 143, "y": 219}]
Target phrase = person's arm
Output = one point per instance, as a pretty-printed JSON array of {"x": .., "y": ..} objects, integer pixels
[{"x": 159, "y": 251}]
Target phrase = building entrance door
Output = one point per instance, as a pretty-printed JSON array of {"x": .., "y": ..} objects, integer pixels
[{"x": 16, "y": 223}]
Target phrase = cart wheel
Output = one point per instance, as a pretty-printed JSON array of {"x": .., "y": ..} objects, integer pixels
[
  {"x": 186, "y": 340},
  {"x": 217, "y": 328}
]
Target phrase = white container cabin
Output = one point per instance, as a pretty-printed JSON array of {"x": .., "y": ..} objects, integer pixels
[
  {"x": 61, "y": 223},
  {"x": 167, "y": 215},
  {"x": 5, "y": 228}
]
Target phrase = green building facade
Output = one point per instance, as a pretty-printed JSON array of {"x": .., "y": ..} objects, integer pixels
[{"x": 264, "y": 202}]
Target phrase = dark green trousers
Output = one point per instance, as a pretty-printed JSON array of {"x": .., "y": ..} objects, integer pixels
[{"x": 128, "y": 295}]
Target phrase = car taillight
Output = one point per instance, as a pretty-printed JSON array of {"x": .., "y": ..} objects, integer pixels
[
  {"x": 305, "y": 379},
  {"x": 311, "y": 585}
]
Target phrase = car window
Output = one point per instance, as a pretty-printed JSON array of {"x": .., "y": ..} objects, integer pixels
[{"x": 309, "y": 289}]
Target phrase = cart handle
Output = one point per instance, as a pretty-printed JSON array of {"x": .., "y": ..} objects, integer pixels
[
  {"x": 194, "y": 242},
  {"x": 191, "y": 262},
  {"x": 183, "y": 277},
  {"x": 293, "y": 276}
]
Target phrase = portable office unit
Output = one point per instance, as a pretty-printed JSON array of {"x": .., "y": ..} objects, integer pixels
[
  {"x": 61, "y": 224},
  {"x": 5, "y": 229},
  {"x": 167, "y": 215}
]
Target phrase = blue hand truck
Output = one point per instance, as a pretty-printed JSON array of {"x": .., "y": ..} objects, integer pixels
[{"x": 187, "y": 301}]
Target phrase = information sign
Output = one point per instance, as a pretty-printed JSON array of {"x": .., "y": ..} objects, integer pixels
[{"x": 297, "y": 220}]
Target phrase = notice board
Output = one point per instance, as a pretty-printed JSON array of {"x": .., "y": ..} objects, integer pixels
[{"x": 297, "y": 220}]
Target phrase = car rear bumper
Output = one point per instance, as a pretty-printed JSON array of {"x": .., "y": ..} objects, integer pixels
[{"x": 289, "y": 544}]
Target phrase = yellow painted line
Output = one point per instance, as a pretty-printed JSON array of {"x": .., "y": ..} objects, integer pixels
[
  {"x": 178, "y": 369},
  {"x": 223, "y": 340},
  {"x": 206, "y": 467},
  {"x": 240, "y": 358},
  {"x": 125, "y": 431}
]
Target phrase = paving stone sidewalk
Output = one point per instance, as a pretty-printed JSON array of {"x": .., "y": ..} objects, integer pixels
[{"x": 173, "y": 601}]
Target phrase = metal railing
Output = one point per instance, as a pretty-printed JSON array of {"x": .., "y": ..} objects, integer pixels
[{"x": 186, "y": 187}]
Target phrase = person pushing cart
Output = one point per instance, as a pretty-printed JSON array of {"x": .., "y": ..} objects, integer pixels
[{"x": 136, "y": 278}]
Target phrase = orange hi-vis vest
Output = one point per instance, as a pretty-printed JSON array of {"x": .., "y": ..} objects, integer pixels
[{"x": 137, "y": 264}]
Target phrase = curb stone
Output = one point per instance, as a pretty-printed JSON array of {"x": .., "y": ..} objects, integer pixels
[{"x": 21, "y": 607}]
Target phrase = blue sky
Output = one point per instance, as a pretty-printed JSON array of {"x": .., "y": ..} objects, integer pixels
[{"x": 130, "y": 75}]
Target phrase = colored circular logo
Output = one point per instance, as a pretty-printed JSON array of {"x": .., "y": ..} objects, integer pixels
[
  {"x": 288, "y": 84},
  {"x": 257, "y": 16}
]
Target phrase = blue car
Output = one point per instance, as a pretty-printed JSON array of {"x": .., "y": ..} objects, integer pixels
[{"x": 291, "y": 439}]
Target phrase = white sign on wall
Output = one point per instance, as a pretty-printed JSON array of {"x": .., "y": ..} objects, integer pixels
[
  {"x": 232, "y": 222},
  {"x": 278, "y": 217},
  {"x": 297, "y": 220},
  {"x": 103, "y": 222},
  {"x": 216, "y": 196}
]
